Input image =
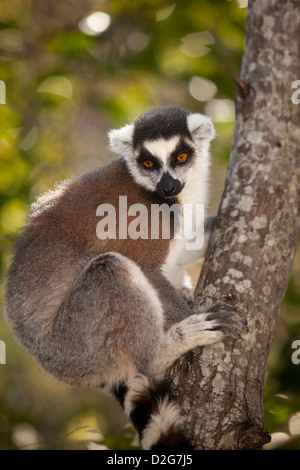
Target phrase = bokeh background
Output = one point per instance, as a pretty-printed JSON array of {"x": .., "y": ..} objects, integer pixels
[{"x": 72, "y": 71}]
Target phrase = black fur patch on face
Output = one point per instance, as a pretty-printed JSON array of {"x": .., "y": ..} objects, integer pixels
[
  {"x": 182, "y": 147},
  {"x": 163, "y": 122},
  {"x": 144, "y": 156}
]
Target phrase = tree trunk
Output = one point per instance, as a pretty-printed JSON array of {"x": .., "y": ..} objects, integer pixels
[{"x": 254, "y": 241}]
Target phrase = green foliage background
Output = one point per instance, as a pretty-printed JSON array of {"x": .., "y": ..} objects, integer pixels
[{"x": 64, "y": 90}]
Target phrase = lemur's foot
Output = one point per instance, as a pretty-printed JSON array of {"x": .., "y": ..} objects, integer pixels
[{"x": 223, "y": 317}]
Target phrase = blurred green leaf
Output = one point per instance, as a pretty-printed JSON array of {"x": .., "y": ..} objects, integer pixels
[
  {"x": 125, "y": 440},
  {"x": 72, "y": 43}
]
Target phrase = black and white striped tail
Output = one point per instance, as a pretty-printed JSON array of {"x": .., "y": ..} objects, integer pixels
[{"x": 154, "y": 414}]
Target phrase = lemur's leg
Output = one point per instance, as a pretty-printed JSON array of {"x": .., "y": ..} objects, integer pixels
[
  {"x": 107, "y": 327},
  {"x": 111, "y": 324}
]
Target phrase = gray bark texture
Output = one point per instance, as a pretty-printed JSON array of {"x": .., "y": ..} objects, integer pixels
[{"x": 251, "y": 252}]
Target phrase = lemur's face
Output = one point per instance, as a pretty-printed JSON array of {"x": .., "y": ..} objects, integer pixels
[
  {"x": 164, "y": 148},
  {"x": 163, "y": 164}
]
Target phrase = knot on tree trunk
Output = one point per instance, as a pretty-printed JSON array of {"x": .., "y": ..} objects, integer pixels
[
  {"x": 244, "y": 436},
  {"x": 252, "y": 436}
]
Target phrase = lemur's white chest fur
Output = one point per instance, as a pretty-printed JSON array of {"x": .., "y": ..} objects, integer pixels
[{"x": 194, "y": 193}]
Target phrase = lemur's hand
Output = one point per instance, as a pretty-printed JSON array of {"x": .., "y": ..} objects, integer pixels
[{"x": 224, "y": 316}]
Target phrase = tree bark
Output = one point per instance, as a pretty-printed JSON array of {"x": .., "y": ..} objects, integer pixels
[{"x": 250, "y": 255}]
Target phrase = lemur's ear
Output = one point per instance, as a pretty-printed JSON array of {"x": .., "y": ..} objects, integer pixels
[
  {"x": 201, "y": 127},
  {"x": 120, "y": 140}
]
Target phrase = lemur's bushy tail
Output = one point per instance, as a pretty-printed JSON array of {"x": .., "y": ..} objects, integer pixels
[{"x": 154, "y": 414}]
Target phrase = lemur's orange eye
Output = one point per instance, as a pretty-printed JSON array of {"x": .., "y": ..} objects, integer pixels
[
  {"x": 148, "y": 163},
  {"x": 182, "y": 157}
]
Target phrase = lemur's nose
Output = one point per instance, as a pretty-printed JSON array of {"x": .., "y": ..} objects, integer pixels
[
  {"x": 168, "y": 191},
  {"x": 168, "y": 186}
]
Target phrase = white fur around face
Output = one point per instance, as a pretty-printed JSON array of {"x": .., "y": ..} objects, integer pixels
[
  {"x": 144, "y": 181},
  {"x": 121, "y": 140},
  {"x": 121, "y": 143},
  {"x": 201, "y": 127}
]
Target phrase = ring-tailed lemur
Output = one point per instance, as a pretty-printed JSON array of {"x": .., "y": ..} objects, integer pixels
[{"x": 106, "y": 312}]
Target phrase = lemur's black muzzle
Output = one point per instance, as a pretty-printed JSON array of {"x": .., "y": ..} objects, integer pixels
[{"x": 169, "y": 186}]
